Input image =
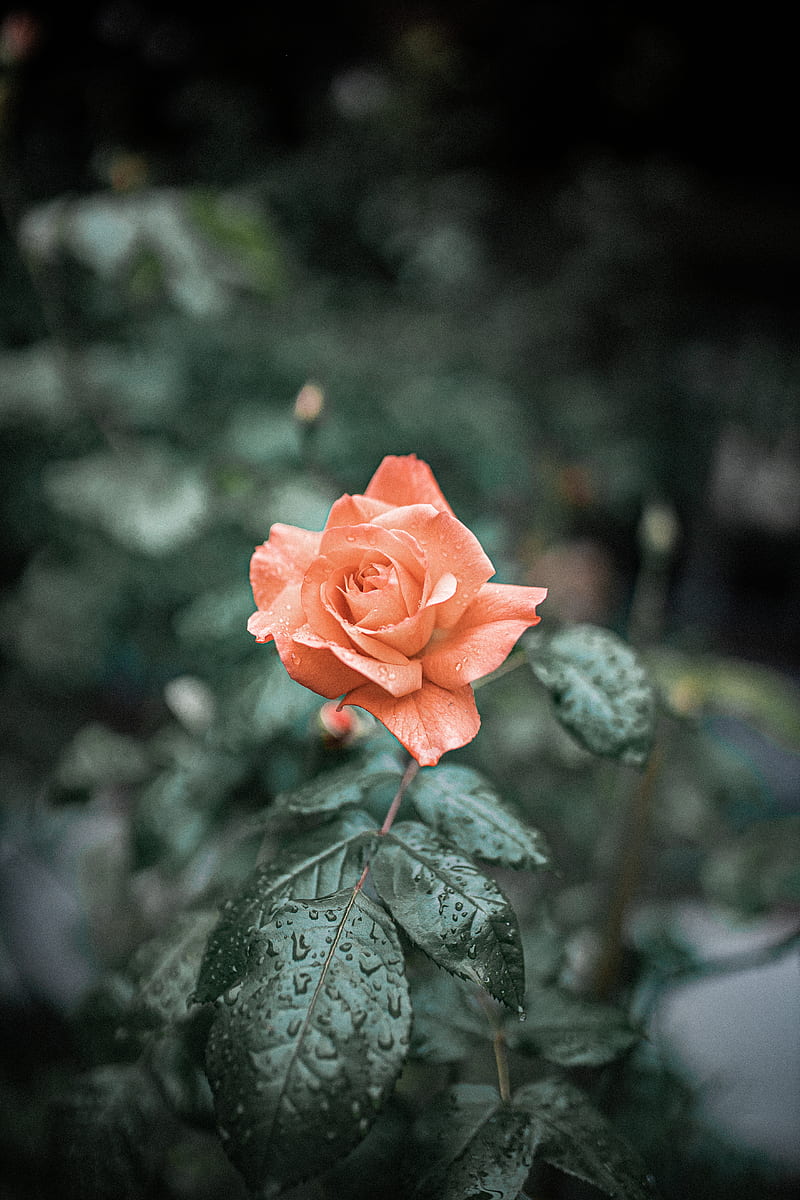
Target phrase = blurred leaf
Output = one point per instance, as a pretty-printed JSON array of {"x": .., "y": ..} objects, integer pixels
[
  {"x": 576, "y": 1138},
  {"x": 235, "y": 226},
  {"x": 148, "y": 499},
  {"x": 175, "y": 1058},
  {"x": 474, "y": 1146},
  {"x": 175, "y": 812},
  {"x": 599, "y": 688},
  {"x": 165, "y": 969},
  {"x": 98, "y": 756},
  {"x": 317, "y": 863},
  {"x": 453, "y": 912},
  {"x": 757, "y": 870},
  {"x": 444, "y": 1028},
  {"x": 464, "y": 807},
  {"x": 108, "y": 1135},
  {"x": 754, "y": 693},
  {"x": 570, "y": 1031},
  {"x": 257, "y": 434},
  {"x": 312, "y": 1040},
  {"x": 262, "y": 702}
]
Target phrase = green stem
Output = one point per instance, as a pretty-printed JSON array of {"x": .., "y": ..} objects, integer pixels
[
  {"x": 629, "y": 863},
  {"x": 408, "y": 775},
  {"x": 499, "y": 1047}
]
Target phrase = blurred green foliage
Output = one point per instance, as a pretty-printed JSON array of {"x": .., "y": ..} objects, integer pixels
[{"x": 554, "y": 359}]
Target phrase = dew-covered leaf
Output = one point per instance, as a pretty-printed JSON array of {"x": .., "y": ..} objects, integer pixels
[
  {"x": 461, "y": 805},
  {"x": 302, "y": 1057},
  {"x": 315, "y": 863},
  {"x": 474, "y": 1147},
  {"x": 453, "y": 912},
  {"x": 573, "y": 1136},
  {"x": 571, "y": 1031},
  {"x": 600, "y": 690},
  {"x": 345, "y": 787},
  {"x": 165, "y": 968}
]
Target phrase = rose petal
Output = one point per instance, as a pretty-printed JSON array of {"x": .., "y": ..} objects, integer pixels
[
  {"x": 343, "y": 550},
  {"x": 316, "y": 668},
  {"x": 449, "y": 548},
  {"x": 398, "y": 679},
  {"x": 484, "y": 635},
  {"x": 355, "y": 510},
  {"x": 283, "y": 559},
  {"x": 403, "y": 480},
  {"x": 406, "y": 638},
  {"x": 428, "y": 722},
  {"x": 282, "y": 616}
]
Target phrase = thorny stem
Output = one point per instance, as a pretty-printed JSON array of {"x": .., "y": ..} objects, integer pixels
[
  {"x": 630, "y": 857},
  {"x": 499, "y": 1047},
  {"x": 388, "y": 821}
]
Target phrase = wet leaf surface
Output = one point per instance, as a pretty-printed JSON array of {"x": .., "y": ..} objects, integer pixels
[
  {"x": 315, "y": 863},
  {"x": 570, "y": 1031},
  {"x": 461, "y": 805},
  {"x": 600, "y": 690},
  {"x": 576, "y": 1138},
  {"x": 453, "y": 912},
  {"x": 476, "y": 1147},
  {"x": 303, "y": 1054}
]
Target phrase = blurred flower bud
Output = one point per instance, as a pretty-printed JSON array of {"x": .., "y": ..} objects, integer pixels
[
  {"x": 342, "y": 726},
  {"x": 658, "y": 529},
  {"x": 191, "y": 701},
  {"x": 309, "y": 403}
]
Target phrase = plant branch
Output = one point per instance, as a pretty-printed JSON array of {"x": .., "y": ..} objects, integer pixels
[
  {"x": 499, "y": 1046},
  {"x": 628, "y": 865},
  {"x": 408, "y": 775}
]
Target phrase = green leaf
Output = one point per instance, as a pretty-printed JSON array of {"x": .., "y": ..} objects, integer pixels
[
  {"x": 477, "y": 1147},
  {"x": 758, "y": 869},
  {"x": 108, "y": 1134},
  {"x": 763, "y": 697},
  {"x": 445, "y": 1028},
  {"x": 600, "y": 690},
  {"x": 464, "y": 807},
  {"x": 303, "y": 1056},
  {"x": 571, "y": 1031},
  {"x": 453, "y": 912},
  {"x": 576, "y": 1138},
  {"x": 345, "y": 787},
  {"x": 148, "y": 499},
  {"x": 165, "y": 968},
  {"x": 316, "y": 863}
]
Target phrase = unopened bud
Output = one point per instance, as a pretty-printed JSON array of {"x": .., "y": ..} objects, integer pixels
[
  {"x": 309, "y": 403},
  {"x": 342, "y": 726},
  {"x": 658, "y": 529}
]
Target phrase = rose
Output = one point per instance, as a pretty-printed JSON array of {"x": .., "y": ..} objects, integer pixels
[{"x": 389, "y": 607}]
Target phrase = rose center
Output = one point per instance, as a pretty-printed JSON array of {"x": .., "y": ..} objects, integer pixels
[{"x": 371, "y": 596}]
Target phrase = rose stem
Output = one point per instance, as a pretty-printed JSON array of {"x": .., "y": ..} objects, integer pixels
[
  {"x": 408, "y": 775},
  {"x": 499, "y": 1047},
  {"x": 630, "y": 856}
]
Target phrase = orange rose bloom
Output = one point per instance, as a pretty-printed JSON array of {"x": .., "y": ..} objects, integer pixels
[{"x": 389, "y": 607}]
